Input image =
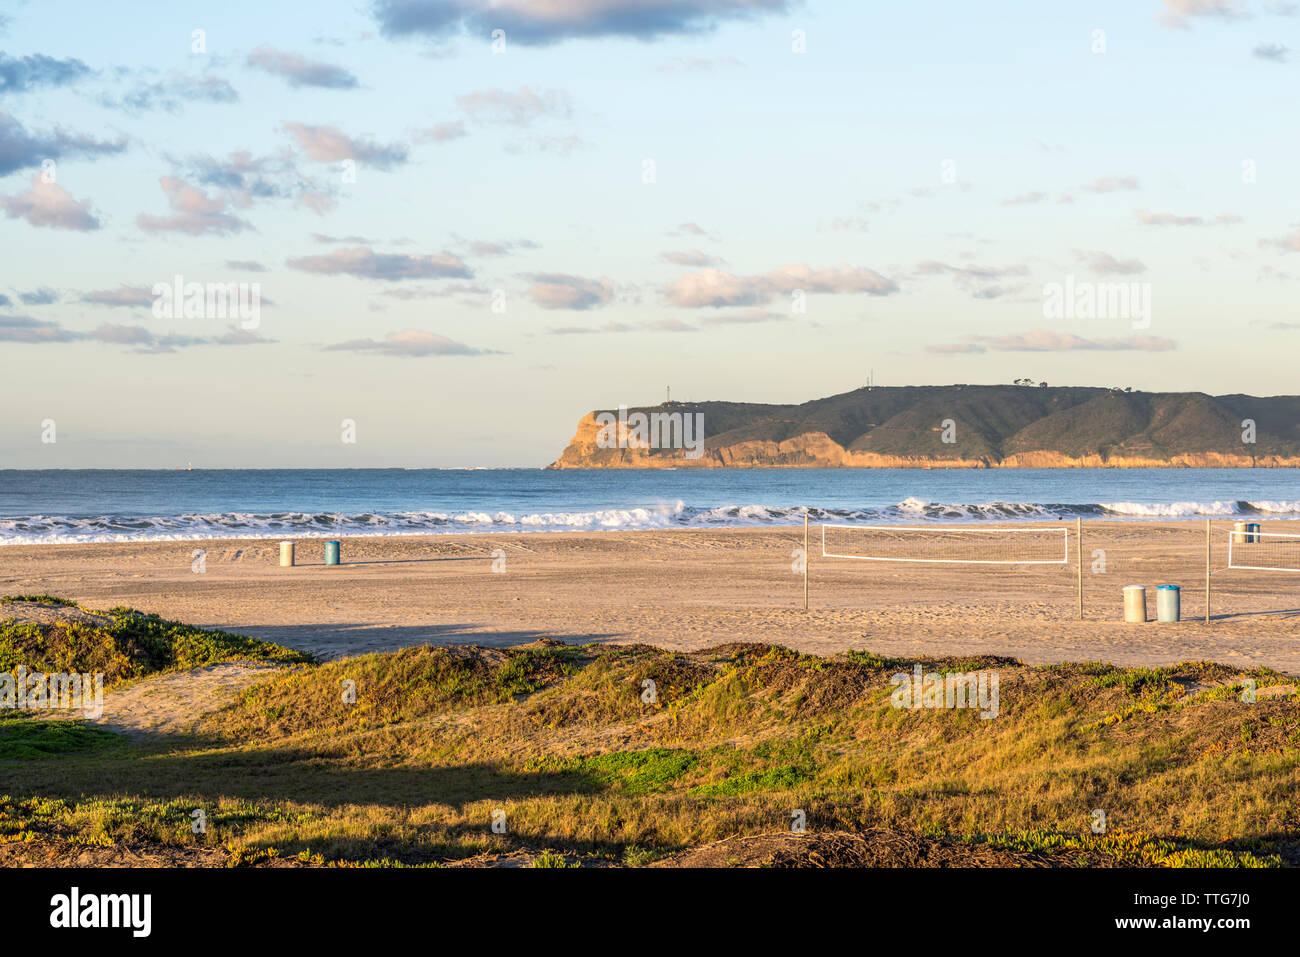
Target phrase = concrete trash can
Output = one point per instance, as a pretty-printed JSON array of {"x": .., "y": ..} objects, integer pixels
[
  {"x": 286, "y": 554},
  {"x": 1135, "y": 603},
  {"x": 331, "y": 553},
  {"x": 1168, "y": 603}
]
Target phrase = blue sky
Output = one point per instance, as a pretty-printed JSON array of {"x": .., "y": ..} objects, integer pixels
[{"x": 918, "y": 174}]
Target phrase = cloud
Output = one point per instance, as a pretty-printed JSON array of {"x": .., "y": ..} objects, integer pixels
[
  {"x": 172, "y": 93},
  {"x": 1104, "y": 264},
  {"x": 514, "y": 109},
  {"x": 27, "y": 329},
  {"x": 1148, "y": 218},
  {"x": 364, "y": 263},
  {"x": 122, "y": 296},
  {"x": 715, "y": 288},
  {"x": 691, "y": 257},
  {"x": 1112, "y": 184},
  {"x": 1288, "y": 244},
  {"x": 1048, "y": 340},
  {"x": 299, "y": 71},
  {"x": 692, "y": 229},
  {"x": 560, "y": 291},
  {"x": 244, "y": 265},
  {"x": 151, "y": 343},
  {"x": 977, "y": 279},
  {"x": 43, "y": 296},
  {"x": 442, "y": 132},
  {"x": 25, "y": 73},
  {"x": 22, "y": 150},
  {"x": 530, "y": 23},
  {"x": 1275, "y": 52},
  {"x": 329, "y": 144},
  {"x": 505, "y": 247},
  {"x": 410, "y": 343},
  {"x": 49, "y": 204},
  {"x": 1179, "y": 13},
  {"x": 194, "y": 212},
  {"x": 546, "y": 143}
]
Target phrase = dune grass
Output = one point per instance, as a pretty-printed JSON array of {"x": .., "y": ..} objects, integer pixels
[{"x": 567, "y": 751}]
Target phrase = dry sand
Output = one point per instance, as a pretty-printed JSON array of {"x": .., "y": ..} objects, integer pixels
[{"x": 686, "y": 589}]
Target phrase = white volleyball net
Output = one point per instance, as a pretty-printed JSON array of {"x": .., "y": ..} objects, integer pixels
[
  {"x": 1264, "y": 551},
  {"x": 948, "y": 544}
]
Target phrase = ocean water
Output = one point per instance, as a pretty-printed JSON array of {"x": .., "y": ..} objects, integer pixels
[{"x": 106, "y": 505}]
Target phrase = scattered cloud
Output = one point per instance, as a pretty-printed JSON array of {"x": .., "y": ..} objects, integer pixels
[
  {"x": 1104, "y": 264},
  {"x": 299, "y": 71},
  {"x": 171, "y": 94},
  {"x": 122, "y": 296},
  {"x": 715, "y": 288},
  {"x": 329, "y": 144},
  {"x": 1178, "y": 14},
  {"x": 364, "y": 263},
  {"x": 514, "y": 109},
  {"x": 1148, "y": 218},
  {"x": 1049, "y": 340},
  {"x": 22, "y": 150},
  {"x": 25, "y": 73},
  {"x": 529, "y": 23},
  {"x": 977, "y": 279},
  {"x": 410, "y": 343},
  {"x": 43, "y": 296},
  {"x": 244, "y": 265},
  {"x": 1288, "y": 244},
  {"x": 27, "y": 329},
  {"x": 194, "y": 212},
  {"x": 692, "y": 257},
  {"x": 1275, "y": 52},
  {"x": 1112, "y": 184},
  {"x": 49, "y": 204},
  {"x": 442, "y": 132},
  {"x": 560, "y": 291}
]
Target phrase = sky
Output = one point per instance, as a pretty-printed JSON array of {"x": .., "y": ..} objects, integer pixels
[{"x": 465, "y": 224}]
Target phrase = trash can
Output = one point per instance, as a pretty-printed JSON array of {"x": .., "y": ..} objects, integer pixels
[
  {"x": 1252, "y": 532},
  {"x": 1245, "y": 533},
  {"x": 1168, "y": 603},
  {"x": 331, "y": 553},
  {"x": 1135, "y": 603},
  {"x": 286, "y": 554}
]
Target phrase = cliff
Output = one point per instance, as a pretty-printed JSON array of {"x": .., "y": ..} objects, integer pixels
[{"x": 959, "y": 426}]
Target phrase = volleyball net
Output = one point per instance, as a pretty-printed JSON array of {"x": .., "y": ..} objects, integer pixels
[
  {"x": 948, "y": 544},
  {"x": 1264, "y": 551}
]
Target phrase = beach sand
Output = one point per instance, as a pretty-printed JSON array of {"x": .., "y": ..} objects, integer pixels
[{"x": 688, "y": 589}]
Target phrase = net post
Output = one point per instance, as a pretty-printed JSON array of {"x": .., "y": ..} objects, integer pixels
[
  {"x": 1207, "y": 571},
  {"x": 805, "y": 558},
  {"x": 1078, "y": 536}
]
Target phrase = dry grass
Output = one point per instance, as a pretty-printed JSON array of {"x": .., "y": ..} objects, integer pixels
[{"x": 735, "y": 743}]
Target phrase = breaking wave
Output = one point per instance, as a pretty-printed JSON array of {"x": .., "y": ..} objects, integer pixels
[{"x": 41, "y": 529}]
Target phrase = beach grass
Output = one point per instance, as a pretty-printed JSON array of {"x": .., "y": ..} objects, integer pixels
[{"x": 630, "y": 755}]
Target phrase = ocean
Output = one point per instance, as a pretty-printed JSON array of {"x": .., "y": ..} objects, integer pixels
[{"x": 112, "y": 506}]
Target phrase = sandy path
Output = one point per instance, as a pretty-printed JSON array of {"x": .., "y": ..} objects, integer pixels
[{"x": 687, "y": 589}]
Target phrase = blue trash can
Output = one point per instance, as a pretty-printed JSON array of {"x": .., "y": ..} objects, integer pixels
[
  {"x": 331, "y": 553},
  {"x": 1168, "y": 602}
]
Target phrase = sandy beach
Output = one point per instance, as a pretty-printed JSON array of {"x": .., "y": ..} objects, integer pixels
[{"x": 686, "y": 590}]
